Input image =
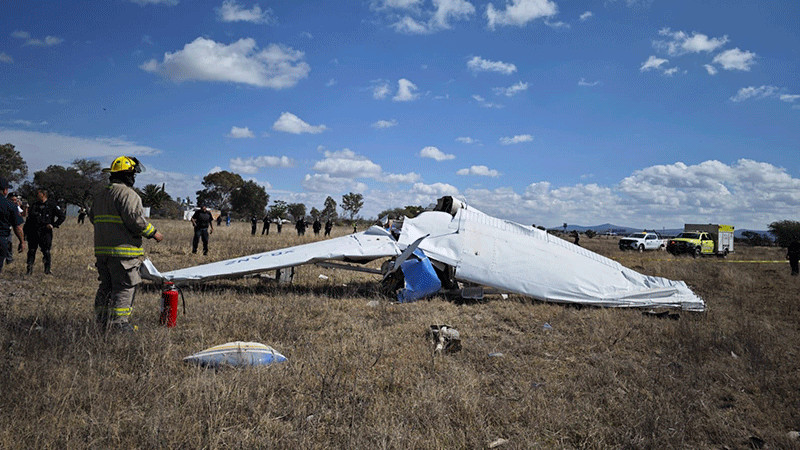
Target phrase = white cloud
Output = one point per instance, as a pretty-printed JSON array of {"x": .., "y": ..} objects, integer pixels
[
  {"x": 276, "y": 66},
  {"x": 410, "y": 177},
  {"x": 512, "y": 90},
  {"x": 406, "y": 91},
  {"x": 735, "y": 59},
  {"x": 653, "y": 62},
  {"x": 347, "y": 164},
  {"x": 586, "y": 16},
  {"x": 671, "y": 71},
  {"x": 251, "y": 165},
  {"x": 434, "y": 190},
  {"x": 748, "y": 193},
  {"x": 231, "y": 11},
  {"x": 466, "y": 140},
  {"x": 5, "y": 58},
  {"x": 478, "y": 64},
  {"x": 789, "y": 98},
  {"x": 331, "y": 82},
  {"x": 418, "y": 20},
  {"x": 289, "y": 123},
  {"x": 482, "y": 171},
  {"x": 482, "y": 101},
  {"x": 402, "y": 4},
  {"x": 380, "y": 89},
  {"x": 583, "y": 82},
  {"x": 557, "y": 25},
  {"x": 215, "y": 169},
  {"x": 29, "y": 123},
  {"x": 322, "y": 182},
  {"x": 520, "y": 12},
  {"x": 155, "y": 2},
  {"x": 710, "y": 69},
  {"x": 435, "y": 153},
  {"x": 752, "y": 92},
  {"x": 239, "y": 133},
  {"x": 43, "y": 149},
  {"x": 680, "y": 42},
  {"x": 518, "y": 139},
  {"x": 385, "y": 124},
  {"x": 48, "y": 41}
]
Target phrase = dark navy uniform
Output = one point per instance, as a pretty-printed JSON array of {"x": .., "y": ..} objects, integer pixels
[
  {"x": 9, "y": 218},
  {"x": 201, "y": 220},
  {"x": 38, "y": 234}
]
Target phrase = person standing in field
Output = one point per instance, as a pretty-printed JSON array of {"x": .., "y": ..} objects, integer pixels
[
  {"x": 201, "y": 221},
  {"x": 328, "y": 227},
  {"x": 253, "y": 224},
  {"x": 81, "y": 215},
  {"x": 280, "y": 225},
  {"x": 316, "y": 227},
  {"x": 793, "y": 255},
  {"x": 14, "y": 199},
  {"x": 265, "y": 230},
  {"x": 119, "y": 226},
  {"x": 43, "y": 216},
  {"x": 9, "y": 219}
]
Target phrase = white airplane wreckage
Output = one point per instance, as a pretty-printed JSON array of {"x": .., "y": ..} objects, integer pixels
[{"x": 454, "y": 244}]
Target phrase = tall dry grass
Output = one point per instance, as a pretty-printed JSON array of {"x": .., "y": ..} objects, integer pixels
[{"x": 361, "y": 376}]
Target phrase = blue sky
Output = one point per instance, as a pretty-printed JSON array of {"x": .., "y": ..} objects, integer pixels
[{"x": 641, "y": 113}]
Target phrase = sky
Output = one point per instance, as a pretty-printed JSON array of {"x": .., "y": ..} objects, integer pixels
[{"x": 648, "y": 113}]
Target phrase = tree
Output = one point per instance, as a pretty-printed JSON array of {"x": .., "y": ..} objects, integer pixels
[
  {"x": 249, "y": 200},
  {"x": 329, "y": 211},
  {"x": 785, "y": 232},
  {"x": 396, "y": 213},
  {"x": 756, "y": 239},
  {"x": 12, "y": 166},
  {"x": 278, "y": 210},
  {"x": 352, "y": 203},
  {"x": 315, "y": 213},
  {"x": 297, "y": 211},
  {"x": 591, "y": 233},
  {"x": 219, "y": 186},
  {"x": 153, "y": 196},
  {"x": 76, "y": 184}
]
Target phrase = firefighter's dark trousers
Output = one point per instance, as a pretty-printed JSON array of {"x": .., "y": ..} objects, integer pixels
[
  {"x": 41, "y": 239},
  {"x": 118, "y": 277}
]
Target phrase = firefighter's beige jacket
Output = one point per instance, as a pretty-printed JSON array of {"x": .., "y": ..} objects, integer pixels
[{"x": 119, "y": 222}]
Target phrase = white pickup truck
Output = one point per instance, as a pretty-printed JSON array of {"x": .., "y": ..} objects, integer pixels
[{"x": 646, "y": 240}]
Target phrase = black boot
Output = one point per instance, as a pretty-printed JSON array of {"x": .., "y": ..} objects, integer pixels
[{"x": 29, "y": 270}]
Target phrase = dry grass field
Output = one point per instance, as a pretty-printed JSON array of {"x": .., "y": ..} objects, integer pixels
[{"x": 364, "y": 376}]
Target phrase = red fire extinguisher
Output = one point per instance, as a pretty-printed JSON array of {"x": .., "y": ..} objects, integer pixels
[{"x": 169, "y": 305}]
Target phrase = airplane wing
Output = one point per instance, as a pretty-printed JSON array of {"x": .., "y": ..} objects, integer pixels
[
  {"x": 528, "y": 261},
  {"x": 366, "y": 246}
]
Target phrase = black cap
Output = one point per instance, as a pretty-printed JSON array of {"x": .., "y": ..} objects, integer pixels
[{"x": 4, "y": 184}]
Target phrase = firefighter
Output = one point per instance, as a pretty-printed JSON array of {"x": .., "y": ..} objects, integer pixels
[
  {"x": 119, "y": 225},
  {"x": 43, "y": 216}
]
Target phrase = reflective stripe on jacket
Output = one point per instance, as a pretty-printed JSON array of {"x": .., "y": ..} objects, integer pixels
[{"x": 119, "y": 222}]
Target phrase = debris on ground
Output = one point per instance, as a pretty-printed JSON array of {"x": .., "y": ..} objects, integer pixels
[
  {"x": 446, "y": 338},
  {"x": 236, "y": 354}
]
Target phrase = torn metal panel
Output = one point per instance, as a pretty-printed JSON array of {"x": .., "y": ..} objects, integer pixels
[
  {"x": 524, "y": 260},
  {"x": 366, "y": 246}
]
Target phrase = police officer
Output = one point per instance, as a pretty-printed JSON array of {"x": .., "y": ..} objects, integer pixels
[
  {"x": 119, "y": 225},
  {"x": 202, "y": 220},
  {"x": 43, "y": 216},
  {"x": 9, "y": 219},
  {"x": 253, "y": 224},
  {"x": 265, "y": 229},
  {"x": 328, "y": 227}
]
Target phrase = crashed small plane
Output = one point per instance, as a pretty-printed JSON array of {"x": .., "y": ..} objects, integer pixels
[{"x": 457, "y": 243}]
